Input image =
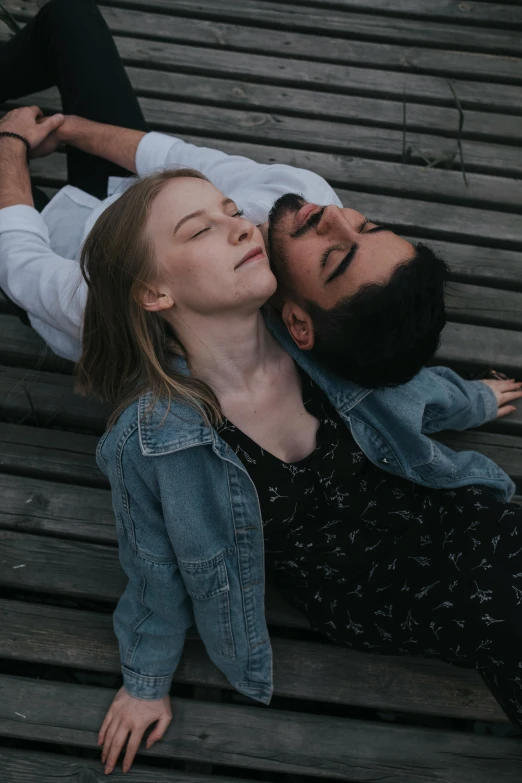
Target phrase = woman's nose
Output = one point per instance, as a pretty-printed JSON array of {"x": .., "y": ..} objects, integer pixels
[{"x": 242, "y": 230}]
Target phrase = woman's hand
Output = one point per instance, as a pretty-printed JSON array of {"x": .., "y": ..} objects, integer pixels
[
  {"x": 128, "y": 715},
  {"x": 505, "y": 392}
]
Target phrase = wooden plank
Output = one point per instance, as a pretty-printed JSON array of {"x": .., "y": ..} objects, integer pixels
[
  {"x": 342, "y": 24},
  {"x": 494, "y": 14},
  {"x": 268, "y": 739},
  {"x": 21, "y": 346},
  {"x": 482, "y": 265},
  {"x": 49, "y": 454},
  {"x": 467, "y": 347},
  {"x": 56, "y": 566},
  {"x": 303, "y": 670},
  {"x": 372, "y": 142},
  {"x": 476, "y": 304},
  {"x": 288, "y": 43},
  {"x": 343, "y": 138},
  {"x": 440, "y": 221},
  {"x": 43, "y": 398},
  {"x": 334, "y": 78},
  {"x": 38, "y": 506},
  {"x": 29, "y": 766}
]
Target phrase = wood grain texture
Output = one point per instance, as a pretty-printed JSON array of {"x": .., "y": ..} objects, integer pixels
[
  {"x": 43, "y": 398},
  {"x": 292, "y": 44},
  {"x": 327, "y": 21},
  {"x": 475, "y": 304},
  {"x": 302, "y": 670},
  {"x": 28, "y": 766},
  {"x": 268, "y": 739},
  {"x": 494, "y": 14},
  {"x": 50, "y": 454},
  {"x": 51, "y": 508}
]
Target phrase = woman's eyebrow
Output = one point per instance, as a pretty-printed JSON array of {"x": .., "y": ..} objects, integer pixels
[{"x": 199, "y": 212}]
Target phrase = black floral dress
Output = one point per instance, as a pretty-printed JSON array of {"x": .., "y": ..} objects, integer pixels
[{"x": 383, "y": 565}]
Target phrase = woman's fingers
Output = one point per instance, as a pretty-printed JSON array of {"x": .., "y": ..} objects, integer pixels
[
  {"x": 104, "y": 727},
  {"x": 505, "y": 410},
  {"x": 117, "y": 744},
  {"x": 508, "y": 396},
  {"x": 159, "y": 730},
  {"x": 109, "y": 736},
  {"x": 132, "y": 748}
]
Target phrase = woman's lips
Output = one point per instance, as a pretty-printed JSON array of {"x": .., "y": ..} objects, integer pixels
[
  {"x": 252, "y": 255},
  {"x": 303, "y": 214}
]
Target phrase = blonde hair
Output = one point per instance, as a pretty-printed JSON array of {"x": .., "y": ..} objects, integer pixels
[{"x": 127, "y": 351}]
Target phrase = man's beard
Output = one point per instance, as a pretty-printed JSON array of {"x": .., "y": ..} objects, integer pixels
[{"x": 287, "y": 204}]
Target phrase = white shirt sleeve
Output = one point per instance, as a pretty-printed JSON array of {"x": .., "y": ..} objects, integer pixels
[
  {"x": 45, "y": 284},
  {"x": 255, "y": 186}
]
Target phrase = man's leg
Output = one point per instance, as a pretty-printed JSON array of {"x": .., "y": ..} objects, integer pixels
[{"x": 68, "y": 44}]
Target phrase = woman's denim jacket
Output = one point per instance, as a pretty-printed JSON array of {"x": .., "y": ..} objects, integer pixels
[{"x": 189, "y": 523}]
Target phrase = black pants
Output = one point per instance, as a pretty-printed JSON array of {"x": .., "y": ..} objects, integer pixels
[{"x": 68, "y": 45}]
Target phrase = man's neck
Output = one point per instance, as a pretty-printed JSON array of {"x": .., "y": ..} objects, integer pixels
[{"x": 229, "y": 352}]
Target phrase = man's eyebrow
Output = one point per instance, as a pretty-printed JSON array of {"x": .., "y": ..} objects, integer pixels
[
  {"x": 344, "y": 264},
  {"x": 199, "y": 212}
]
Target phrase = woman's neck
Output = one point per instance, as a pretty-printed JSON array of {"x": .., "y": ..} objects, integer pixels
[{"x": 231, "y": 352}]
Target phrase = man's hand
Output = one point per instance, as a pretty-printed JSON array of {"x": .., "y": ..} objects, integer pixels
[
  {"x": 505, "y": 392},
  {"x": 128, "y": 715},
  {"x": 30, "y": 123}
]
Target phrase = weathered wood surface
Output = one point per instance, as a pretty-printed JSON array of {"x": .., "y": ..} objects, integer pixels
[
  {"x": 29, "y": 766},
  {"x": 196, "y": 88},
  {"x": 474, "y": 304},
  {"x": 49, "y": 454},
  {"x": 324, "y": 20},
  {"x": 44, "y": 398},
  {"x": 302, "y": 670},
  {"x": 330, "y": 77},
  {"x": 289, "y": 43},
  {"x": 495, "y": 14},
  {"x": 47, "y": 507},
  {"x": 272, "y": 740}
]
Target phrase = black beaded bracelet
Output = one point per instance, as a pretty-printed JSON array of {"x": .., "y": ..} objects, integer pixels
[{"x": 18, "y": 136}]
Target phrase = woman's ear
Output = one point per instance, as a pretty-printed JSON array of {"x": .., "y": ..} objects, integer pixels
[
  {"x": 154, "y": 301},
  {"x": 299, "y": 324}
]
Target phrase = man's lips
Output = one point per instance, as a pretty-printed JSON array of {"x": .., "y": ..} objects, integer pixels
[
  {"x": 255, "y": 252},
  {"x": 303, "y": 214}
]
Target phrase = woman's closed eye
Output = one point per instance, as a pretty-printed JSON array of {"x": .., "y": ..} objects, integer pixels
[{"x": 239, "y": 213}]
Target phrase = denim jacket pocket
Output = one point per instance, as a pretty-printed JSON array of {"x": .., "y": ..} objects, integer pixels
[{"x": 207, "y": 584}]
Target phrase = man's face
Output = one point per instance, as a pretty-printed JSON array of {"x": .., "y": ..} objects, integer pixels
[{"x": 325, "y": 254}]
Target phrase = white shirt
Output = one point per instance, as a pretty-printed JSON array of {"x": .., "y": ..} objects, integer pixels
[{"x": 39, "y": 253}]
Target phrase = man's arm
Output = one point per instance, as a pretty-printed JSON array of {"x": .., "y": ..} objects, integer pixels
[
  {"x": 48, "y": 286},
  {"x": 119, "y": 145},
  {"x": 15, "y": 185}
]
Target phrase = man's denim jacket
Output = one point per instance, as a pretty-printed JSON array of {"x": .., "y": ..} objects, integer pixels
[{"x": 189, "y": 523}]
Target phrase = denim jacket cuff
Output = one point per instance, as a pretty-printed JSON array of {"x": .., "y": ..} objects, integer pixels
[
  {"x": 145, "y": 686},
  {"x": 490, "y": 401}
]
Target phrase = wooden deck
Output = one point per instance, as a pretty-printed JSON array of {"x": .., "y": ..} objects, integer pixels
[{"x": 363, "y": 92}]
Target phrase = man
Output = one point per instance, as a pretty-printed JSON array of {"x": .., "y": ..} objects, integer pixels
[{"x": 365, "y": 301}]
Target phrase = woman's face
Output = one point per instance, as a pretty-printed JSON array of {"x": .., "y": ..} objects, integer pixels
[{"x": 210, "y": 259}]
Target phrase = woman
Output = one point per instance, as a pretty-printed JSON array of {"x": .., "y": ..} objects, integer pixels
[{"x": 220, "y": 444}]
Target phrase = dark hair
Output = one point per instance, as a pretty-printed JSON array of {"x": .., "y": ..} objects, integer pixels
[{"x": 385, "y": 333}]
